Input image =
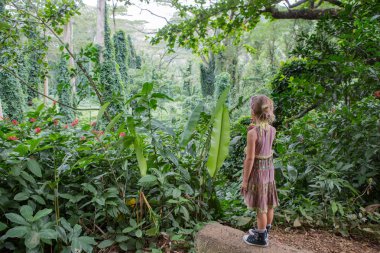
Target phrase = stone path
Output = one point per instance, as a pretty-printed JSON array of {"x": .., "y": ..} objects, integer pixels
[{"x": 217, "y": 238}]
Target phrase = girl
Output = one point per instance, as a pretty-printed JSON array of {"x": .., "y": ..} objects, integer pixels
[{"x": 259, "y": 187}]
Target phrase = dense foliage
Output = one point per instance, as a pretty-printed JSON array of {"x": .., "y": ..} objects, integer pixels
[{"x": 155, "y": 161}]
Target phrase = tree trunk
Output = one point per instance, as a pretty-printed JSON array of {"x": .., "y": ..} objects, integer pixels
[
  {"x": 99, "y": 37},
  {"x": 1, "y": 112},
  {"x": 46, "y": 89},
  {"x": 68, "y": 40}
]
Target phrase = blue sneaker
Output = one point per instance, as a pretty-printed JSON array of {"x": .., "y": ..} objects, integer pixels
[{"x": 257, "y": 239}]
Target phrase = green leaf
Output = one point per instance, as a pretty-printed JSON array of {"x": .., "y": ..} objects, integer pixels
[
  {"x": 140, "y": 156},
  {"x": 21, "y": 196},
  {"x": 161, "y": 95},
  {"x": 2, "y": 226},
  {"x": 90, "y": 188},
  {"x": 32, "y": 239},
  {"x": 128, "y": 229},
  {"x": 34, "y": 167},
  {"x": 147, "y": 88},
  {"x": 220, "y": 138},
  {"x": 13, "y": 217},
  {"x": 42, "y": 213},
  {"x": 39, "y": 199},
  {"x": 153, "y": 231},
  {"x": 27, "y": 212},
  {"x": 176, "y": 193},
  {"x": 28, "y": 177},
  {"x": 104, "y": 244},
  {"x": 102, "y": 111},
  {"x": 138, "y": 147},
  {"x": 185, "y": 213},
  {"x": 191, "y": 124},
  {"x": 334, "y": 207},
  {"x": 82, "y": 243},
  {"x": 138, "y": 233},
  {"x": 148, "y": 181},
  {"x": 113, "y": 122},
  {"x": 48, "y": 234},
  {"x": 17, "y": 232}
]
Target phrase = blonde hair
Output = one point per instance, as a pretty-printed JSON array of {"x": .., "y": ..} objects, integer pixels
[{"x": 262, "y": 108}]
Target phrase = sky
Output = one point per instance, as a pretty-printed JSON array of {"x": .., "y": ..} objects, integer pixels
[{"x": 135, "y": 12}]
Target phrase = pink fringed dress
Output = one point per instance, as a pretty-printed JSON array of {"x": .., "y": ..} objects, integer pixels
[{"x": 261, "y": 192}]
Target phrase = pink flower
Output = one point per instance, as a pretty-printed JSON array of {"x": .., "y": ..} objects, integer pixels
[
  {"x": 83, "y": 138},
  {"x": 93, "y": 124},
  {"x": 32, "y": 120},
  {"x": 97, "y": 132},
  {"x": 75, "y": 122},
  {"x": 37, "y": 130},
  {"x": 377, "y": 94},
  {"x": 56, "y": 122},
  {"x": 66, "y": 126},
  {"x": 54, "y": 102},
  {"x": 14, "y": 122},
  {"x": 122, "y": 134},
  {"x": 12, "y": 138}
]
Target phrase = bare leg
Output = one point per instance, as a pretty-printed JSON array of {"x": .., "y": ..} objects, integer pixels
[
  {"x": 270, "y": 215},
  {"x": 261, "y": 220}
]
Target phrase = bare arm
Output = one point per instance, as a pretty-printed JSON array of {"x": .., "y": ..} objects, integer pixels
[{"x": 250, "y": 156}]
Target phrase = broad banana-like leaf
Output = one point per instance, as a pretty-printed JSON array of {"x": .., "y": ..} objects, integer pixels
[
  {"x": 138, "y": 145},
  {"x": 140, "y": 156},
  {"x": 191, "y": 124},
  {"x": 220, "y": 139}
]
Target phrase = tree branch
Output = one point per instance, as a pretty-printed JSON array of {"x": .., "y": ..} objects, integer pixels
[
  {"x": 303, "y": 13},
  {"x": 304, "y": 112}
]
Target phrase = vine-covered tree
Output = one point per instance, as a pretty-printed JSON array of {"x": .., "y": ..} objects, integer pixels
[
  {"x": 132, "y": 54},
  {"x": 11, "y": 92},
  {"x": 187, "y": 79},
  {"x": 109, "y": 75},
  {"x": 64, "y": 88},
  {"x": 121, "y": 55},
  {"x": 35, "y": 56},
  {"x": 222, "y": 81},
  {"x": 207, "y": 70}
]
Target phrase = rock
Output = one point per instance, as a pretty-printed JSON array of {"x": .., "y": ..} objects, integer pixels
[{"x": 216, "y": 238}]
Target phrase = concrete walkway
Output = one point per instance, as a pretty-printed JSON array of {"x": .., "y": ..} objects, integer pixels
[{"x": 216, "y": 238}]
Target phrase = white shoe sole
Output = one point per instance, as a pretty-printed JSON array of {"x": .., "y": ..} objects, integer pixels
[{"x": 262, "y": 246}]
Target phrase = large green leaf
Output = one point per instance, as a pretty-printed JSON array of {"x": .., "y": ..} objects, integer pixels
[
  {"x": 42, "y": 213},
  {"x": 191, "y": 124},
  {"x": 148, "y": 181},
  {"x": 102, "y": 111},
  {"x": 32, "y": 239},
  {"x": 82, "y": 243},
  {"x": 16, "y": 232},
  {"x": 2, "y": 226},
  {"x": 27, "y": 212},
  {"x": 34, "y": 167},
  {"x": 220, "y": 138},
  {"x": 16, "y": 218},
  {"x": 138, "y": 145},
  {"x": 140, "y": 156}
]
